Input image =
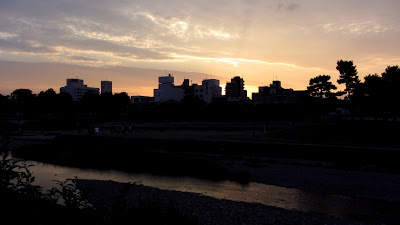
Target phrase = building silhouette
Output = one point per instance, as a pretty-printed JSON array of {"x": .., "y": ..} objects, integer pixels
[
  {"x": 188, "y": 89},
  {"x": 275, "y": 94},
  {"x": 167, "y": 91},
  {"x": 207, "y": 91},
  {"x": 77, "y": 89},
  {"x": 106, "y": 87},
  {"x": 235, "y": 90}
]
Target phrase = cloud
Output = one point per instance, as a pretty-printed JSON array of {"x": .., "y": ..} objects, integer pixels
[
  {"x": 81, "y": 58},
  {"x": 29, "y": 47},
  {"x": 153, "y": 30},
  {"x": 6, "y": 35},
  {"x": 236, "y": 62},
  {"x": 132, "y": 34},
  {"x": 357, "y": 27},
  {"x": 288, "y": 5}
]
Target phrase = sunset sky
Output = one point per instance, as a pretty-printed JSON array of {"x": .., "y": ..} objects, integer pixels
[{"x": 132, "y": 42}]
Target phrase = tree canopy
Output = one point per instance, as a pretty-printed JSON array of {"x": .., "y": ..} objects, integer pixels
[
  {"x": 48, "y": 92},
  {"x": 321, "y": 87},
  {"x": 373, "y": 85},
  {"x": 391, "y": 77},
  {"x": 22, "y": 96},
  {"x": 348, "y": 75}
]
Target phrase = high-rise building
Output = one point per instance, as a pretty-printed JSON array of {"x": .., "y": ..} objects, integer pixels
[
  {"x": 167, "y": 90},
  {"x": 106, "y": 87},
  {"x": 210, "y": 89},
  {"x": 235, "y": 89},
  {"x": 77, "y": 89},
  {"x": 187, "y": 88}
]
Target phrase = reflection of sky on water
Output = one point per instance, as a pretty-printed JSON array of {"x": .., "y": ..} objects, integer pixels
[{"x": 287, "y": 198}]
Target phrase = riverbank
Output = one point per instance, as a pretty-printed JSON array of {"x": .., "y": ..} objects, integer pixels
[
  {"x": 207, "y": 210},
  {"x": 354, "y": 171},
  {"x": 359, "y": 172}
]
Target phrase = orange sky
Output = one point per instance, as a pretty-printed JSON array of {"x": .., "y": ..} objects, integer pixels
[{"x": 43, "y": 42}]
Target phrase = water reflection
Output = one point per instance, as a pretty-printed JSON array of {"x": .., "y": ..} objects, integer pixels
[{"x": 287, "y": 198}]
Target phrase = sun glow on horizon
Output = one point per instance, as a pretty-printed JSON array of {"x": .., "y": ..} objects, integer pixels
[{"x": 303, "y": 39}]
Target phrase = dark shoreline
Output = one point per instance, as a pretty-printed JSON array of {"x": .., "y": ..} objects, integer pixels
[
  {"x": 74, "y": 149},
  {"x": 207, "y": 210}
]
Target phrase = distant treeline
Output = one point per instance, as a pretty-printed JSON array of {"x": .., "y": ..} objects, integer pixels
[
  {"x": 376, "y": 96},
  {"x": 52, "y": 108}
]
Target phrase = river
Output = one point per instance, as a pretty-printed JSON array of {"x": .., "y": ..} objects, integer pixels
[{"x": 281, "y": 197}]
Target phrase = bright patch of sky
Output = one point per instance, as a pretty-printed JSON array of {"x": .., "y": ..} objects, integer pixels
[{"x": 297, "y": 39}]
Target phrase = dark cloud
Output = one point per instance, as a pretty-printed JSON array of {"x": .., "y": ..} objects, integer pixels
[
  {"x": 288, "y": 5},
  {"x": 25, "y": 47},
  {"x": 47, "y": 35},
  {"x": 81, "y": 58}
]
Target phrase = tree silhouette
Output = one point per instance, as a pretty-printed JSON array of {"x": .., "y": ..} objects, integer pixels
[
  {"x": 373, "y": 85},
  {"x": 64, "y": 100},
  {"x": 348, "y": 75},
  {"x": 4, "y": 103},
  {"x": 47, "y": 100},
  {"x": 22, "y": 96},
  {"x": 121, "y": 98},
  {"x": 391, "y": 80},
  {"x": 391, "y": 77},
  {"x": 48, "y": 92},
  {"x": 321, "y": 87},
  {"x": 23, "y": 100},
  {"x": 369, "y": 96}
]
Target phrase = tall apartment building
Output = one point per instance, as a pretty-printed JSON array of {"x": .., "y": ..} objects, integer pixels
[
  {"x": 106, "y": 87},
  {"x": 235, "y": 89},
  {"x": 208, "y": 90}
]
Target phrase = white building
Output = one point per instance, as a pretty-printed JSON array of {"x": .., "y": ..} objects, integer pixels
[
  {"x": 167, "y": 90},
  {"x": 106, "y": 87},
  {"x": 210, "y": 89},
  {"x": 77, "y": 89}
]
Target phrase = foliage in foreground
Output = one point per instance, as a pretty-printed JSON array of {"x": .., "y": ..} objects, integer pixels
[
  {"x": 16, "y": 177},
  {"x": 26, "y": 203}
]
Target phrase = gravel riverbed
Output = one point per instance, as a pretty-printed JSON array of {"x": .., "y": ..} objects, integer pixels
[{"x": 209, "y": 211}]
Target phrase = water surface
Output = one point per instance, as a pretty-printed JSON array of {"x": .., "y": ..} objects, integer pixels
[{"x": 282, "y": 197}]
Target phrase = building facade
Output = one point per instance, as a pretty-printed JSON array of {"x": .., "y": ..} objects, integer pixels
[
  {"x": 235, "y": 91},
  {"x": 275, "y": 94},
  {"x": 77, "y": 89},
  {"x": 167, "y": 91},
  {"x": 106, "y": 87},
  {"x": 207, "y": 91}
]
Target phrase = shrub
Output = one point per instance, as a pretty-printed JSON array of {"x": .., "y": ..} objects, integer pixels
[{"x": 15, "y": 176}]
